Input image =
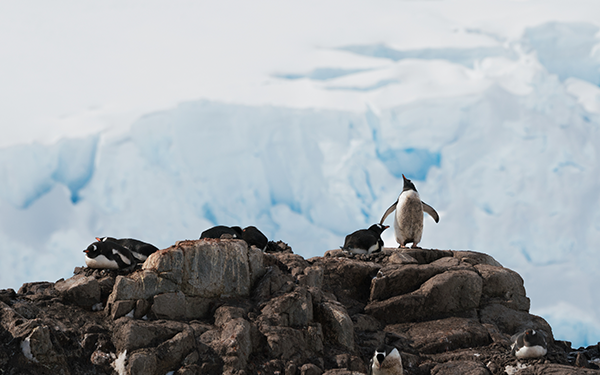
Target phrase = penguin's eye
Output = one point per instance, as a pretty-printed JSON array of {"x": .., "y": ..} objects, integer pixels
[{"x": 94, "y": 246}]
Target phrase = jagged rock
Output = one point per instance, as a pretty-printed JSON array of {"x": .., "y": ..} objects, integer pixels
[
  {"x": 450, "y": 292},
  {"x": 340, "y": 328},
  {"x": 38, "y": 348},
  {"x": 206, "y": 268},
  {"x": 443, "y": 335},
  {"x": 122, "y": 308},
  {"x": 236, "y": 343},
  {"x": 292, "y": 309},
  {"x": 80, "y": 290},
  {"x": 460, "y": 368},
  {"x": 284, "y": 342},
  {"x": 233, "y": 310},
  {"x": 169, "y": 306},
  {"x": 310, "y": 369},
  {"x": 395, "y": 280},
  {"x": 511, "y": 321},
  {"x": 504, "y": 286},
  {"x": 130, "y": 334},
  {"x": 555, "y": 369},
  {"x": 142, "y": 362},
  {"x": 171, "y": 353}
]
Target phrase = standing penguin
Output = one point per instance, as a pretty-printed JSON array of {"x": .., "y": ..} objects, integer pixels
[
  {"x": 408, "y": 223},
  {"x": 386, "y": 361},
  {"x": 365, "y": 241},
  {"x": 529, "y": 344}
]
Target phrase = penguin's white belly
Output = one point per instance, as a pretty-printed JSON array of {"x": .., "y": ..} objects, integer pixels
[
  {"x": 531, "y": 352},
  {"x": 408, "y": 223},
  {"x": 101, "y": 262}
]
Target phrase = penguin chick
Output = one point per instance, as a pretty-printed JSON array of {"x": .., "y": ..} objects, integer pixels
[
  {"x": 408, "y": 221},
  {"x": 529, "y": 344},
  {"x": 140, "y": 250},
  {"x": 365, "y": 241},
  {"x": 386, "y": 361},
  {"x": 255, "y": 237},
  {"x": 109, "y": 255},
  {"x": 220, "y": 230}
]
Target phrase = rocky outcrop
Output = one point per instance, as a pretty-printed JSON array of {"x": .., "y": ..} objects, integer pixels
[{"x": 218, "y": 306}]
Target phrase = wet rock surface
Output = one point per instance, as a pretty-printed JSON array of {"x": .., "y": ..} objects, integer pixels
[{"x": 217, "y": 306}]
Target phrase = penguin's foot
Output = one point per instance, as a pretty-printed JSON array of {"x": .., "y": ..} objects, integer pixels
[{"x": 415, "y": 247}]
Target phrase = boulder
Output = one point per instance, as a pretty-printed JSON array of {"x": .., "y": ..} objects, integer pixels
[
  {"x": 447, "y": 293},
  {"x": 555, "y": 369},
  {"x": 294, "y": 309},
  {"x": 339, "y": 326},
  {"x": 206, "y": 268},
  {"x": 217, "y": 307},
  {"x": 443, "y": 335},
  {"x": 80, "y": 290},
  {"x": 460, "y": 368}
]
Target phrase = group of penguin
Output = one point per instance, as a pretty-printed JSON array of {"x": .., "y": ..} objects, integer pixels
[
  {"x": 112, "y": 253},
  {"x": 126, "y": 253},
  {"x": 408, "y": 223}
]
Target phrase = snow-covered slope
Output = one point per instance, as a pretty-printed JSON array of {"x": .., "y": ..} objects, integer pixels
[{"x": 498, "y": 128}]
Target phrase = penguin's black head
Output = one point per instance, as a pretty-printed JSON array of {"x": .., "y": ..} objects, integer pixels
[
  {"x": 408, "y": 185},
  {"x": 378, "y": 228},
  {"x": 532, "y": 337},
  {"x": 380, "y": 357},
  {"x": 237, "y": 230},
  {"x": 93, "y": 250}
]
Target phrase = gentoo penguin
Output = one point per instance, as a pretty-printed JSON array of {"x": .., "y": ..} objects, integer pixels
[
  {"x": 529, "y": 344},
  {"x": 109, "y": 255},
  {"x": 255, "y": 237},
  {"x": 386, "y": 361},
  {"x": 408, "y": 222},
  {"x": 140, "y": 250},
  {"x": 365, "y": 241},
  {"x": 219, "y": 230}
]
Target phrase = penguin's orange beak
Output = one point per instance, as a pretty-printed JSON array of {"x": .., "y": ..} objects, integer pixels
[
  {"x": 98, "y": 239},
  {"x": 385, "y": 227},
  {"x": 85, "y": 251}
]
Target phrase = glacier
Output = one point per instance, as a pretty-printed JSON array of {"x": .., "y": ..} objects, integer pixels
[{"x": 500, "y": 135}]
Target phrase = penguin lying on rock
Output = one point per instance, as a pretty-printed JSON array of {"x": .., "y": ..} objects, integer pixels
[
  {"x": 255, "y": 237},
  {"x": 529, "y": 344},
  {"x": 365, "y": 241},
  {"x": 110, "y": 255},
  {"x": 140, "y": 250},
  {"x": 386, "y": 361},
  {"x": 408, "y": 222},
  {"x": 250, "y": 234},
  {"x": 220, "y": 230}
]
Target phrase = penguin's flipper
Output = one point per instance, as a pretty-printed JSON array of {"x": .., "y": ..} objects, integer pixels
[
  {"x": 427, "y": 208},
  {"x": 389, "y": 211}
]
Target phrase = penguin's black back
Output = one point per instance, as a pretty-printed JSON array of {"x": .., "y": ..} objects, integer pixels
[
  {"x": 365, "y": 238},
  {"x": 255, "y": 237},
  {"x": 219, "y": 230},
  {"x": 134, "y": 245}
]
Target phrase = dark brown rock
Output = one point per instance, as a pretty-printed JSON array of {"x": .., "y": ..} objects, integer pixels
[
  {"x": 460, "y": 368},
  {"x": 446, "y": 311},
  {"x": 310, "y": 369},
  {"x": 443, "y": 335},
  {"x": 555, "y": 369},
  {"x": 444, "y": 294}
]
